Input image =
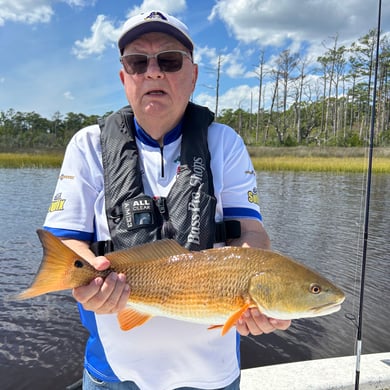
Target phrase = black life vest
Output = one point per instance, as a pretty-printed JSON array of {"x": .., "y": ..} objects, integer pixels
[{"x": 187, "y": 214}]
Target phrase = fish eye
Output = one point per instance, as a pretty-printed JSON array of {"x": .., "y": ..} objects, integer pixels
[
  {"x": 78, "y": 264},
  {"x": 315, "y": 288}
]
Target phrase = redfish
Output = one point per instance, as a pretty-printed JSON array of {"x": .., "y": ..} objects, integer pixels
[{"x": 213, "y": 287}]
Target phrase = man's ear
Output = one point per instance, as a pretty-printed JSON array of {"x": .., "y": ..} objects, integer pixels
[
  {"x": 122, "y": 76},
  {"x": 194, "y": 76}
]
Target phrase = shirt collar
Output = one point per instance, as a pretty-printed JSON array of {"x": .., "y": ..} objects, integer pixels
[{"x": 146, "y": 139}]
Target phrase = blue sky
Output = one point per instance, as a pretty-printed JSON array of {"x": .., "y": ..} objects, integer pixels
[{"x": 61, "y": 55}]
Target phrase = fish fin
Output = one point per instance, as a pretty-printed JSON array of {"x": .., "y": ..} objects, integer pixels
[
  {"x": 129, "y": 318},
  {"x": 53, "y": 273},
  {"x": 146, "y": 252},
  {"x": 231, "y": 321}
]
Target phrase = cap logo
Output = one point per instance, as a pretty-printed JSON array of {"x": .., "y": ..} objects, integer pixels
[{"x": 156, "y": 15}]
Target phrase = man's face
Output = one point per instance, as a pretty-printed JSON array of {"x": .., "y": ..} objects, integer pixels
[{"x": 156, "y": 96}]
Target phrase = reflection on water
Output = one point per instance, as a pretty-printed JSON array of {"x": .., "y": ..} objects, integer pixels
[{"x": 315, "y": 218}]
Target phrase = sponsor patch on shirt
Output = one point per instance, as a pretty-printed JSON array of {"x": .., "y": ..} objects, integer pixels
[
  {"x": 253, "y": 196},
  {"x": 68, "y": 177},
  {"x": 57, "y": 204}
]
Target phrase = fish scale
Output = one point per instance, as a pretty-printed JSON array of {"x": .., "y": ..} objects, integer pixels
[
  {"x": 168, "y": 284},
  {"x": 214, "y": 286}
]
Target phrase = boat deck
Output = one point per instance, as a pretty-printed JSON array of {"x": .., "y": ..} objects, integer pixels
[{"x": 323, "y": 374}]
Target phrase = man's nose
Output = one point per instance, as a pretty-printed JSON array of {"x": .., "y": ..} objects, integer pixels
[{"x": 153, "y": 69}]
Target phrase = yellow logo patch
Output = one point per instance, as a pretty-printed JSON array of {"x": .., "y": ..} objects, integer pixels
[
  {"x": 253, "y": 196},
  {"x": 57, "y": 204}
]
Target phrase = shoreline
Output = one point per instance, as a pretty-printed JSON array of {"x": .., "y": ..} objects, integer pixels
[{"x": 297, "y": 159}]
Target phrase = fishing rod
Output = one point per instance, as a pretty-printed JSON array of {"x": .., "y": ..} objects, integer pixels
[{"x": 367, "y": 206}]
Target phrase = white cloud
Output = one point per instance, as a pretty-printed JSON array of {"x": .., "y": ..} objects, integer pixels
[
  {"x": 228, "y": 63},
  {"x": 80, "y": 3},
  {"x": 205, "y": 99},
  {"x": 233, "y": 98},
  {"x": 235, "y": 70},
  {"x": 88, "y": 89},
  {"x": 234, "y": 64},
  {"x": 204, "y": 54},
  {"x": 169, "y": 6},
  {"x": 238, "y": 97},
  {"x": 33, "y": 11},
  {"x": 292, "y": 21},
  {"x": 103, "y": 34},
  {"x": 25, "y": 11},
  {"x": 68, "y": 95}
]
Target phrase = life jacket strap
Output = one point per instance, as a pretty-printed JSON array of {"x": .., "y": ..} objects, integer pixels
[{"x": 223, "y": 231}]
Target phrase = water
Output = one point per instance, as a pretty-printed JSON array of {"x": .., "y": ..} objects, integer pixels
[
  {"x": 316, "y": 218},
  {"x": 41, "y": 340}
]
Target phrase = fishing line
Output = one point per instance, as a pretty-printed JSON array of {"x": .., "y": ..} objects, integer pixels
[{"x": 367, "y": 205}]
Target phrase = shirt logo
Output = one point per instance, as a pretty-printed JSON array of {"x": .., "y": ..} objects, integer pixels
[
  {"x": 253, "y": 196},
  {"x": 196, "y": 181},
  {"x": 156, "y": 15},
  {"x": 57, "y": 204},
  {"x": 63, "y": 177}
]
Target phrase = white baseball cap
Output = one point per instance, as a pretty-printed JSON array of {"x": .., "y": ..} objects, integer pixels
[{"x": 154, "y": 21}]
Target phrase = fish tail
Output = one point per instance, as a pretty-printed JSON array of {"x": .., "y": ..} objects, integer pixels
[{"x": 55, "y": 272}]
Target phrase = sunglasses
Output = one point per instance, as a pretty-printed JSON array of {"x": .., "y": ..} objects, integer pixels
[{"x": 168, "y": 61}]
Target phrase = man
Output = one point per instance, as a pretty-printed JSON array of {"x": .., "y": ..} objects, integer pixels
[{"x": 160, "y": 169}]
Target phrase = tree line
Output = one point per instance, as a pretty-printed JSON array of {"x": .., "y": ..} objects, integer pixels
[
  {"x": 30, "y": 130},
  {"x": 325, "y": 102},
  {"x": 328, "y": 102}
]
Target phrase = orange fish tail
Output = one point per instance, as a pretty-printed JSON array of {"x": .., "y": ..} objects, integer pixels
[{"x": 56, "y": 269}]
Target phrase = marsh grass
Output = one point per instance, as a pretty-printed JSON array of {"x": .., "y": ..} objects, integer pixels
[
  {"x": 319, "y": 159},
  {"x": 317, "y": 151},
  {"x": 30, "y": 160},
  {"x": 264, "y": 159},
  {"x": 320, "y": 164}
]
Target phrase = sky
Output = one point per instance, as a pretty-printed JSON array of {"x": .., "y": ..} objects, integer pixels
[{"x": 61, "y": 55}]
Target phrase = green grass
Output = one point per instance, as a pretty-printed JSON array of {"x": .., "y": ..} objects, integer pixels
[
  {"x": 298, "y": 159},
  {"x": 319, "y": 159},
  {"x": 315, "y": 151},
  {"x": 320, "y": 164},
  {"x": 30, "y": 160}
]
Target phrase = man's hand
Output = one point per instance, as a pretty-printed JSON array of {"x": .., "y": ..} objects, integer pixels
[
  {"x": 103, "y": 296},
  {"x": 255, "y": 323},
  {"x": 252, "y": 321}
]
